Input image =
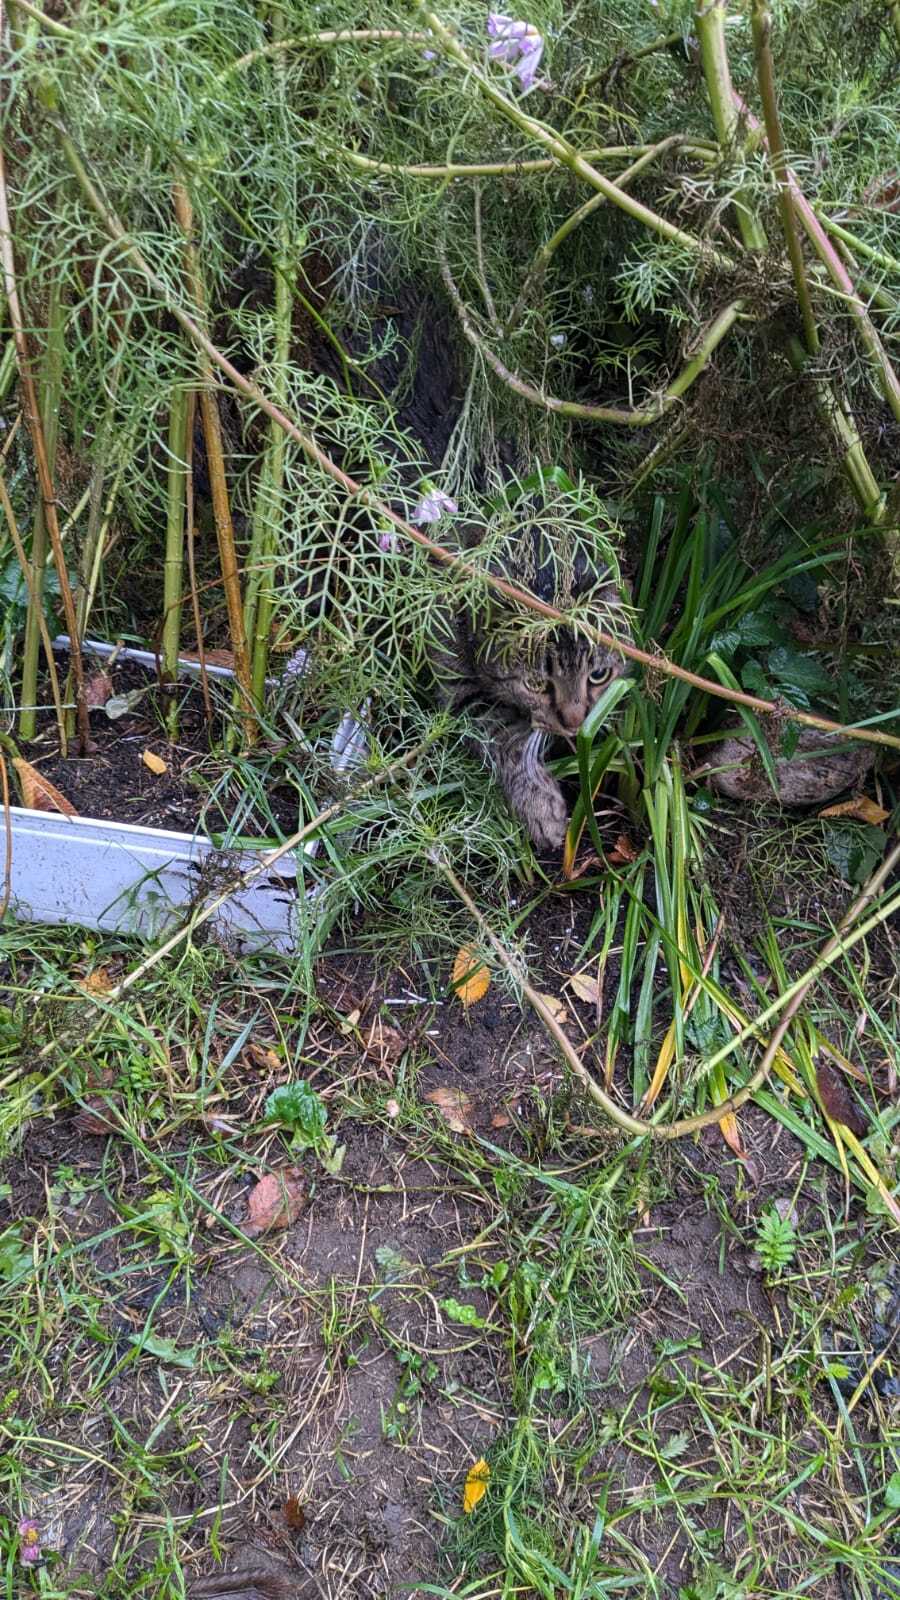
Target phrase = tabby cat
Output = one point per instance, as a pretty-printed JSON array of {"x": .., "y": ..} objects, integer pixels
[{"x": 527, "y": 690}]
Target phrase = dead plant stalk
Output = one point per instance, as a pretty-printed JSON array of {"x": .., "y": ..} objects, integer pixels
[{"x": 215, "y": 456}]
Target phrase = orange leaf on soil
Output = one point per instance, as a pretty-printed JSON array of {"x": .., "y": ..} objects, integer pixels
[
  {"x": 154, "y": 763},
  {"x": 38, "y": 793},
  {"x": 454, "y": 1105},
  {"x": 860, "y": 808},
  {"x": 96, "y": 982},
  {"x": 275, "y": 1202},
  {"x": 470, "y": 978},
  {"x": 476, "y": 1485},
  {"x": 623, "y": 850}
]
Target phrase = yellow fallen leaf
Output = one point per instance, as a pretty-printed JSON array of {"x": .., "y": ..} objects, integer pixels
[
  {"x": 476, "y": 1485},
  {"x": 454, "y": 1105},
  {"x": 470, "y": 977},
  {"x": 861, "y": 808},
  {"x": 38, "y": 793},
  {"x": 557, "y": 1008},
  {"x": 585, "y": 986},
  {"x": 154, "y": 763}
]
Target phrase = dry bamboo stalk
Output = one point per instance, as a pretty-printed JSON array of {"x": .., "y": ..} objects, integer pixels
[{"x": 215, "y": 458}]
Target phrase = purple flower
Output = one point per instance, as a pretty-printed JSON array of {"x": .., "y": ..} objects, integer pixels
[
  {"x": 432, "y": 506},
  {"x": 295, "y": 667},
  {"x": 387, "y": 542},
  {"x": 29, "y": 1542},
  {"x": 517, "y": 43}
]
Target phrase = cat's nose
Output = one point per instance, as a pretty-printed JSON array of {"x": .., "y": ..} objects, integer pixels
[{"x": 571, "y": 720}]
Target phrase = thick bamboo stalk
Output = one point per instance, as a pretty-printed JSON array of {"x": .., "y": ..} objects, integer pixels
[
  {"x": 173, "y": 568},
  {"x": 49, "y": 385},
  {"x": 709, "y": 21},
  {"x": 762, "y": 35},
  {"x": 215, "y": 460}
]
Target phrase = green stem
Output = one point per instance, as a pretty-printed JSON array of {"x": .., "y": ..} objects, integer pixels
[
  {"x": 709, "y": 21},
  {"x": 762, "y": 34},
  {"x": 840, "y": 277},
  {"x": 880, "y": 257},
  {"x": 261, "y": 587},
  {"x": 862, "y": 479},
  {"x": 506, "y": 169},
  {"x": 49, "y": 386},
  {"x": 628, "y": 417},
  {"x": 566, "y": 154},
  {"x": 173, "y": 569},
  {"x": 546, "y": 252}
]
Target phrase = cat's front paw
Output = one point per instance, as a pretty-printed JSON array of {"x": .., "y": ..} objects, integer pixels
[{"x": 544, "y": 812}]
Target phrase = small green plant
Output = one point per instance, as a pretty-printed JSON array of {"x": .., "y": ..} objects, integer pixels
[
  {"x": 299, "y": 1108},
  {"x": 776, "y": 1241}
]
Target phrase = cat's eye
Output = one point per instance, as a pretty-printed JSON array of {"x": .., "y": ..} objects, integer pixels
[{"x": 600, "y": 675}]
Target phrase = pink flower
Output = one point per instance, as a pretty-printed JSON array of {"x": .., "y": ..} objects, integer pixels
[
  {"x": 29, "y": 1542},
  {"x": 517, "y": 43},
  {"x": 387, "y": 542},
  {"x": 432, "y": 506}
]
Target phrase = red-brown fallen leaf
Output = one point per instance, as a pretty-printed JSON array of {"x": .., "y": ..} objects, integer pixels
[
  {"x": 294, "y": 1514},
  {"x": 622, "y": 851},
  {"x": 500, "y": 1120},
  {"x": 840, "y": 1104},
  {"x": 97, "y": 690},
  {"x": 860, "y": 808},
  {"x": 94, "y": 1119},
  {"x": 454, "y": 1105},
  {"x": 275, "y": 1202},
  {"x": 38, "y": 793}
]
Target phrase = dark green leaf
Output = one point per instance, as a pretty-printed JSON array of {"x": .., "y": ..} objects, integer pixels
[
  {"x": 298, "y": 1107},
  {"x": 854, "y": 849}
]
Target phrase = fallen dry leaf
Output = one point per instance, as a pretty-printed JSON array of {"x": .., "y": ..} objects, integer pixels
[
  {"x": 98, "y": 690},
  {"x": 38, "y": 793},
  {"x": 94, "y": 1119},
  {"x": 470, "y": 977},
  {"x": 500, "y": 1120},
  {"x": 861, "y": 808},
  {"x": 264, "y": 1057},
  {"x": 558, "y": 1009},
  {"x": 154, "y": 763},
  {"x": 476, "y": 1484},
  {"x": 96, "y": 982},
  {"x": 623, "y": 850},
  {"x": 294, "y": 1514},
  {"x": 275, "y": 1202},
  {"x": 454, "y": 1105},
  {"x": 585, "y": 986},
  {"x": 840, "y": 1104}
]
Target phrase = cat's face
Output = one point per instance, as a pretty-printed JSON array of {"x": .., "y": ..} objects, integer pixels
[{"x": 561, "y": 684}]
